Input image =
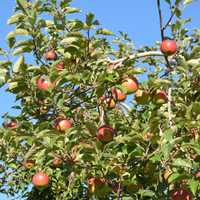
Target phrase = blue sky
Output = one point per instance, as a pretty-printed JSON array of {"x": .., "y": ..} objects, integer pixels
[{"x": 136, "y": 17}]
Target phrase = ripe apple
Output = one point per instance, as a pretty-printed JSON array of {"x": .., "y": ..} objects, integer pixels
[
  {"x": 62, "y": 124},
  {"x": 43, "y": 84},
  {"x": 40, "y": 179},
  {"x": 105, "y": 133},
  {"x": 28, "y": 164},
  {"x": 57, "y": 161},
  {"x": 60, "y": 66},
  {"x": 168, "y": 47},
  {"x": 130, "y": 85},
  {"x": 12, "y": 124},
  {"x": 181, "y": 194},
  {"x": 118, "y": 94},
  {"x": 141, "y": 97},
  {"x": 160, "y": 97},
  {"x": 50, "y": 55}
]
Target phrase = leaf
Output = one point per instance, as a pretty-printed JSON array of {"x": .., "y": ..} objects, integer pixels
[
  {"x": 17, "y": 32},
  {"x": 12, "y": 85},
  {"x": 70, "y": 10},
  {"x": 89, "y": 19},
  {"x": 193, "y": 185},
  {"x": 182, "y": 163},
  {"x": 15, "y": 18},
  {"x": 69, "y": 40},
  {"x": 21, "y": 50},
  {"x": 18, "y": 64},
  {"x": 104, "y": 31},
  {"x": 175, "y": 177},
  {"x": 23, "y": 5},
  {"x": 187, "y": 2},
  {"x": 3, "y": 76}
]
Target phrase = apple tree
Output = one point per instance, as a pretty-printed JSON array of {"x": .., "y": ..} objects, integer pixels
[{"x": 92, "y": 123}]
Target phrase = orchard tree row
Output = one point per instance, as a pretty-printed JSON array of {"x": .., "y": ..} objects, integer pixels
[{"x": 98, "y": 118}]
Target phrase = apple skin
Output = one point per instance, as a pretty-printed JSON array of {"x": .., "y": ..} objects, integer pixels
[
  {"x": 160, "y": 97},
  {"x": 50, "y": 55},
  {"x": 181, "y": 194},
  {"x": 43, "y": 84},
  {"x": 105, "y": 133},
  {"x": 141, "y": 97},
  {"x": 40, "y": 179},
  {"x": 130, "y": 85},
  {"x": 11, "y": 125},
  {"x": 118, "y": 94},
  {"x": 28, "y": 164},
  {"x": 62, "y": 124},
  {"x": 60, "y": 66},
  {"x": 168, "y": 47}
]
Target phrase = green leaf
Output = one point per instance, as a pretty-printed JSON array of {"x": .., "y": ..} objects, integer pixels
[
  {"x": 187, "y": 2},
  {"x": 182, "y": 163},
  {"x": 193, "y": 185},
  {"x": 15, "y": 18},
  {"x": 70, "y": 10},
  {"x": 18, "y": 64},
  {"x": 104, "y": 31},
  {"x": 3, "y": 76},
  {"x": 89, "y": 19},
  {"x": 17, "y": 32},
  {"x": 24, "y": 49},
  {"x": 69, "y": 40},
  {"x": 23, "y": 5}
]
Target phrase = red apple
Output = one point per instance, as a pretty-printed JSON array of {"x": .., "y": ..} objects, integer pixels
[
  {"x": 40, "y": 179},
  {"x": 12, "y": 124},
  {"x": 141, "y": 97},
  {"x": 118, "y": 94},
  {"x": 60, "y": 65},
  {"x": 43, "y": 84},
  {"x": 160, "y": 97},
  {"x": 181, "y": 194},
  {"x": 105, "y": 133},
  {"x": 62, "y": 124},
  {"x": 130, "y": 84},
  {"x": 168, "y": 47},
  {"x": 50, "y": 55}
]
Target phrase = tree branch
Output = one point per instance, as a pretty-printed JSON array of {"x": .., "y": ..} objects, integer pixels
[
  {"x": 161, "y": 19},
  {"x": 114, "y": 64}
]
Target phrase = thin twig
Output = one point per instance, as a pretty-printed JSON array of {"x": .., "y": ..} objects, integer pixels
[
  {"x": 160, "y": 19},
  {"x": 169, "y": 106}
]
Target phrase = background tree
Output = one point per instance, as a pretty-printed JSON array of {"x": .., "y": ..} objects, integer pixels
[{"x": 75, "y": 138}]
